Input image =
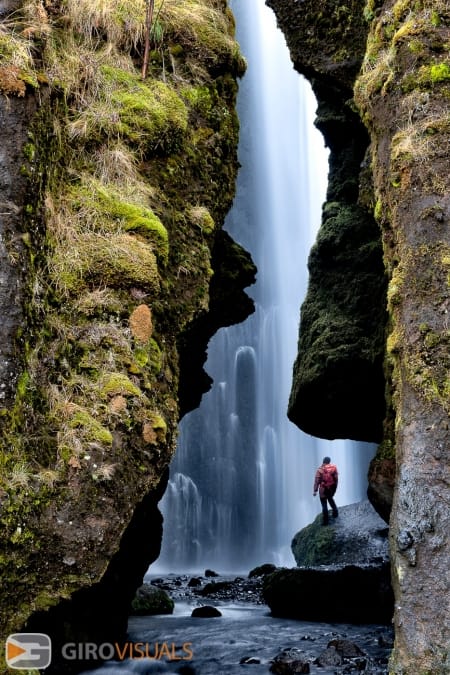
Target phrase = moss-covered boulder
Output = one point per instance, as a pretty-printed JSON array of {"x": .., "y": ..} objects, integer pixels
[
  {"x": 151, "y": 600},
  {"x": 357, "y": 536}
]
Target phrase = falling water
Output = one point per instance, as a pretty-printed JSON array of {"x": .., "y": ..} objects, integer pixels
[{"x": 241, "y": 481}]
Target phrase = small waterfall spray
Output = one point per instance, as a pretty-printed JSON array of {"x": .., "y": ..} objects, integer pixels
[{"x": 241, "y": 481}]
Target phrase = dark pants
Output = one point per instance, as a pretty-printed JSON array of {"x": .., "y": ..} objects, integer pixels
[{"x": 328, "y": 494}]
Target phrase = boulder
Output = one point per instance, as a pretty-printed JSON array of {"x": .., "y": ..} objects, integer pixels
[
  {"x": 207, "y": 612},
  {"x": 151, "y": 600},
  {"x": 358, "y": 536},
  {"x": 342, "y": 593}
]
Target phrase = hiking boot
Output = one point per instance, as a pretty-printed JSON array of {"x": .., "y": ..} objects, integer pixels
[{"x": 335, "y": 514}]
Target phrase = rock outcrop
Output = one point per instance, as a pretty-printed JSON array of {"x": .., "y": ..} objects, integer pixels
[
  {"x": 114, "y": 188},
  {"x": 357, "y": 536},
  {"x": 401, "y": 94},
  {"x": 338, "y": 386},
  {"x": 343, "y": 571}
]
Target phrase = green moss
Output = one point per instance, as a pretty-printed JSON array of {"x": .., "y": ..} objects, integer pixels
[
  {"x": 114, "y": 384},
  {"x": 426, "y": 77},
  {"x": 156, "y": 356},
  {"x": 314, "y": 544},
  {"x": 439, "y": 72},
  {"x": 105, "y": 202},
  {"x": 22, "y": 384},
  {"x": 378, "y": 210},
  {"x": 141, "y": 356},
  {"x": 435, "y": 18},
  {"x": 151, "y": 114},
  {"x": 93, "y": 430},
  {"x": 158, "y": 426}
]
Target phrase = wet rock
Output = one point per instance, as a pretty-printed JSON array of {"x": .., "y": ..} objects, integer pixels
[
  {"x": 207, "y": 612},
  {"x": 151, "y": 600},
  {"x": 346, "y": 648},
  {"x": 289, "y": 661},
  {"x": 329, "y": 657},
  {"x": 262, "y": 570},
  {"x": 194, "y": 582},
  {"x": 381, "y": 478},
  {"x": 210, "y": 573},
  {"x": 345, "y": 593},
  {"x": 216, "y": 587},
  {"x": 358, "y": 536},
  {"x": 246, "y": 590}
]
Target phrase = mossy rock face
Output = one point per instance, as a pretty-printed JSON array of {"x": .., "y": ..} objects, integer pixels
[
  {"x": 149, "y": 114},
  {"x": 124, "y": 184},
  {"x": 338, "y": 389},
  {"x": 326, "y": 38},
  {"x": 403, "y": 93},
  {"x": 338, "y": 384}
]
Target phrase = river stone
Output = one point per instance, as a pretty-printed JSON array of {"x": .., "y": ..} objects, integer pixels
[
  {"x": 289, "y": 661},
  {"x": 207, "y": 611},
  {"x": 329, "y": 657},
  {"x": 343, "y": 593},
  {"x": 151, "y": 600},
  {"x": 211, "y": 573},
  {"x": 357, "y": 536},
  {"x": 194, "y": 582},
  {"x": 346, "y": 648}
]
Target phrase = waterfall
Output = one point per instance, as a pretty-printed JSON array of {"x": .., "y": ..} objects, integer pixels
[{"x": 241, "y": 481}]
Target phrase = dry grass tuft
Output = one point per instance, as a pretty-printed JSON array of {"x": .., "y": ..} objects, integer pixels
[{"x": 117, "y": 21}]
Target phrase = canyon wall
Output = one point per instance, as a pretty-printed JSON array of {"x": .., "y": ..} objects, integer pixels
[
  {"x": 389, "y": 63},
  {"x": 115, "y": 273}
]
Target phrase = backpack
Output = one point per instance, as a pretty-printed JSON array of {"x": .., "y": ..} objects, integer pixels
[{"x": 329, "y": 473}]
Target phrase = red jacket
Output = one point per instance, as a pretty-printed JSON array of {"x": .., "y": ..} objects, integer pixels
[{"x": 321, "y": 482}]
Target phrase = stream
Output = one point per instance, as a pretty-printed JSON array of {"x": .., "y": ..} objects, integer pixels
[{"x": 244, "y": 640}]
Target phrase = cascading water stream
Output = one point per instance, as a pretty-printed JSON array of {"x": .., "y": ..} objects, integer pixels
[{"x": 241, "y": 481}]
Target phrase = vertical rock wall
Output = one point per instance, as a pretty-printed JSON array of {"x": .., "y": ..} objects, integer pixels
[
  {"x": 403, "y": 94},
  {"x": 113, "y": 192}
]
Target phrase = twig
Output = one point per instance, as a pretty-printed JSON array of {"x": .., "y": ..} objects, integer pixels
[{"x": 150, "y": 4}]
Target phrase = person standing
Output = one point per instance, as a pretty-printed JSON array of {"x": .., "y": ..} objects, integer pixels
[{"x": 326, "y": 481}]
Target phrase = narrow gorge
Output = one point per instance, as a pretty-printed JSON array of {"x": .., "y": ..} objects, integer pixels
[{"x": 116, "y": 178}]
